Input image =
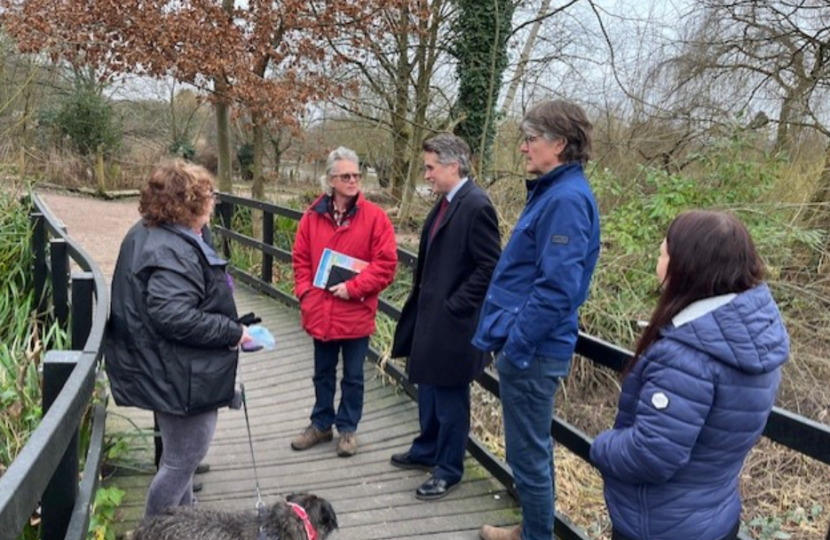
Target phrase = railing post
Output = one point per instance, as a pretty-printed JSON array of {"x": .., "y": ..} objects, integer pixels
[
  {"x": 226, "y": 219},
  {"x": 267, "y": 239},
  {"x": 59, "y": 255},
  {"x": 83, "y": 285},
  {"x": 59, "y": 498},
  {"x": 39, "y": 270}
]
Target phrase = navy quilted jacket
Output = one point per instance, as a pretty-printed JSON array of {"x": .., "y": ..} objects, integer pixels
[{"x": 690, "y": 411}]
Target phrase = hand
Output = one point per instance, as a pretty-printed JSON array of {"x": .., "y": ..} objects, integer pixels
[
  {"x": 246, "y": 337},
  {"x": 340, "y": 291}
]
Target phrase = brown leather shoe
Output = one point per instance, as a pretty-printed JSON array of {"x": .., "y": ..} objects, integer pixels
[
  {"x": 311, "y": 436},
  {"x": 347, "y": 445},
  {"x": 497, "y": 533}
]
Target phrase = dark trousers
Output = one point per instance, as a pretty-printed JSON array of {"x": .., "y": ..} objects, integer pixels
[
  {"x": 326, "y": 356},
  {"x": 444, "y": 414},
  {"x": 186, "y": 442},
  {"x": 733, "y": 534}
]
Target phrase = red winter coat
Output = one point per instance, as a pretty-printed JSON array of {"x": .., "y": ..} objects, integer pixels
[{"x": 367, "y": 234}]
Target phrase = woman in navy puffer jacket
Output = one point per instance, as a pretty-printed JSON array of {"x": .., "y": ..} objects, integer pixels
[{"x": 701, "y": 387}]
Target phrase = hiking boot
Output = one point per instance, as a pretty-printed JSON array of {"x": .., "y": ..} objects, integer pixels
[
  {"x": 347, "y": 445},
  {"x": 311, "y": 436},
  {"x": 497, "y": 533}
]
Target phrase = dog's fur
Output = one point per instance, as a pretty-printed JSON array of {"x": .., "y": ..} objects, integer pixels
[{"x": 196, "y": 523}]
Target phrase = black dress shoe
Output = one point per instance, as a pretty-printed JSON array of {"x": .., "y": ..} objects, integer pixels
[
  {"x": 434, "y": 488},
  {"x": 197, "y": 487},
  {"x": 404, "y": 461},
  {"x": 202, "y": 468}
]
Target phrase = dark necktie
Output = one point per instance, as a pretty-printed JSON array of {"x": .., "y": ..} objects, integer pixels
[{"x": 438, "y": 218}]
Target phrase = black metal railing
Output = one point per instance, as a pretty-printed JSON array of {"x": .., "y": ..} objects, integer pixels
[
  {"x": 784, "y": 427},
  {"x": 46, "y": 470}
]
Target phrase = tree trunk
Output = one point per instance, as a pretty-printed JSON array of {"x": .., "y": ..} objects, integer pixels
[
  {"x": 524, "y": 59},
  {"x": 223, "y": 139},
  {"x": 425, "y": 59},
  {"x": 277, "y": 161},
  {"x": 793, "y": 109},
  {"x": 100, "y": 173},
  {"x": 400, "y": 131},
  {"x": 258, "y": 186},
  {"x": 223, "y": 123}
]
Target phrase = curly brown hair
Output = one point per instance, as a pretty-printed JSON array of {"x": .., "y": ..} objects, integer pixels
[{"x": 177, "y": 193}]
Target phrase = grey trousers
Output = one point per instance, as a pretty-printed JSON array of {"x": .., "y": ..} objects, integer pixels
[{"x": 186, "y": 440}]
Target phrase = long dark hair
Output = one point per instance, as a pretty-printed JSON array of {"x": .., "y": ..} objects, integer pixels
[{"x": 710, "y": 254}]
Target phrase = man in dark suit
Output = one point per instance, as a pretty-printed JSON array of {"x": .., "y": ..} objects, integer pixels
[{"x": 459, "y": 249}]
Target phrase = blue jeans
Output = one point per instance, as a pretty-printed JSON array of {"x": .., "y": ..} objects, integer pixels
[
  {"x": 527, "y": 398},
  {"x": 326, "y": 356},
  {"x": 444, "y": 415}
]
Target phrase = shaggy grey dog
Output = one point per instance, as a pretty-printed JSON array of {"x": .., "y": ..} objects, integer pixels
[{"x": 196, "y": 523}]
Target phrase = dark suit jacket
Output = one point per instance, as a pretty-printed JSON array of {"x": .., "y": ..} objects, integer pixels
[{"x": 440, "y": 316}]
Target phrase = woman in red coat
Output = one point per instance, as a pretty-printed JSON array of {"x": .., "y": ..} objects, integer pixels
[{"x": 341, "y": 317}]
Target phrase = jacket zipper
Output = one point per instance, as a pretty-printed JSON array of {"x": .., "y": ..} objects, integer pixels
[{"x": 337, "y": 230}]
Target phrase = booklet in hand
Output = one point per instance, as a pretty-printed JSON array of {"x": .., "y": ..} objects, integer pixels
[
  {"x": 338, "y": 275},
  {"x": 335, "y": 268}
]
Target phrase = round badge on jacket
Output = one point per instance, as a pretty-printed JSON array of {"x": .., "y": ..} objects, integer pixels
[{"x": 660, "y": 401}]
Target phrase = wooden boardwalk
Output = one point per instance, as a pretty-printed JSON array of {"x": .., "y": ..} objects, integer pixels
[{"x": 373, "y": 500}]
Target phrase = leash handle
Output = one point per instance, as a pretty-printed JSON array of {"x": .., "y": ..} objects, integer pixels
[{"x": 259, "y": 504}]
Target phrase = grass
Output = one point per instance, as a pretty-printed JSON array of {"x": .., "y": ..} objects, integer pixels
[
  {"x": 23, "y": 336},
  {"x": 20, "y": 345}
]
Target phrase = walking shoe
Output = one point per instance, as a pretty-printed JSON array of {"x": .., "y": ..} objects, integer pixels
[
  {"x": 405, "y": 461},
  {"x": 311, "y": 436},
  {"x": 347, "y": 445},
  {"x": 497, "y": 533},
  {"x": 202, "y": 468},
  {"x": 197, "y": 487}
]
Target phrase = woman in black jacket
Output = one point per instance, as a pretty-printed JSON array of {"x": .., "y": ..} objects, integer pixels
[{"x": 173, "y": 335}]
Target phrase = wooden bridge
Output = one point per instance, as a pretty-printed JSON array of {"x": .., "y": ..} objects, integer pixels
[{"x": 373, "y": 499}]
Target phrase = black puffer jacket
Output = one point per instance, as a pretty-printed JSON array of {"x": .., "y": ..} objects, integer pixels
[{"x": 173, "y": 330}]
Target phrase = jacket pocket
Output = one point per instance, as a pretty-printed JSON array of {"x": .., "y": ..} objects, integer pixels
[
  {"x": 212, "y": 381},
  {"x": 500, "y": 311},
  {"x": 309, "y": 304}
]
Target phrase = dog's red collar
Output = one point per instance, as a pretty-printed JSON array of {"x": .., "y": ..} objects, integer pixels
[{"x": 302, "y": 514}]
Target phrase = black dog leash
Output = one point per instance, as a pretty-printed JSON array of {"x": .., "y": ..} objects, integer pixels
[{"x": 260, "y": 505}]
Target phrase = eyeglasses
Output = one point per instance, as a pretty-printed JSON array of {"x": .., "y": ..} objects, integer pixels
[
  {"x": 348, "y": 177},
  {"x": 530, "y": 138}
]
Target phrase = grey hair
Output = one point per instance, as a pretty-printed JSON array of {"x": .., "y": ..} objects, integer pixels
[
  {"x": 449, "y": 148},
  {"x": 560, "y": 119},
  {"x": 339, "y": 153}
]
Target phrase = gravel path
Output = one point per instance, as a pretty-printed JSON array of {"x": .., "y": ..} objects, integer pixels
[{"x": 98, "y": 226}]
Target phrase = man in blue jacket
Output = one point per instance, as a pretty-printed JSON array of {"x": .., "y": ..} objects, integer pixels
[{"x": 529, "y": 316}]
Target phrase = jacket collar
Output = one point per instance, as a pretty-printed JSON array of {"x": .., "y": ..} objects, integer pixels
[
  {"x": 203, "y": 243},
  {"x": 542, "y": 183},
  {"x": 321, "y": 205},
  {"x": 456, "y": 201},
  {"x": 698, "y": 309}
]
